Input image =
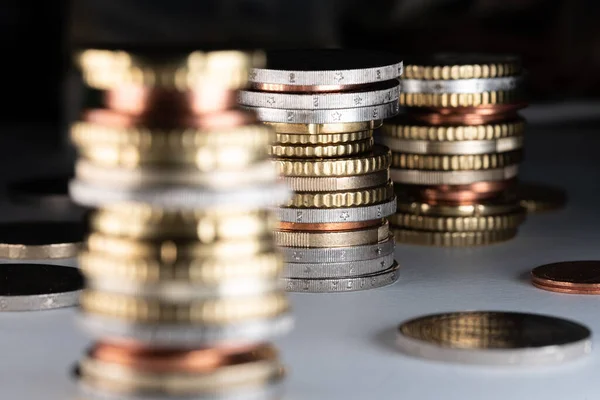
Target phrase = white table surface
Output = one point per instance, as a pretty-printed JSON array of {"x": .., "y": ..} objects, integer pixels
[{"x": 342, "y": 347}]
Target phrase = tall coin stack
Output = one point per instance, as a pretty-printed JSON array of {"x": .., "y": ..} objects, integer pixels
[
  {"x": 456, "y": 152},
  {"x": 324, "y": 105},
  {"x": 182, "y": 272}
]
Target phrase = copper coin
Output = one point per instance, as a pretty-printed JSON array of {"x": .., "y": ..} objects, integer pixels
[
  {"x": 336, "y": 226},
  {"x": 460, "y": 194},
  {"x": 221, "y": 120},
  {"x": 579, "y": 277},
  {"x": 434, "y": 118},
  {"x": 144, "y": 101},
  {"x": 539, "y": 198},
  {"x": 180, "y": 360}
]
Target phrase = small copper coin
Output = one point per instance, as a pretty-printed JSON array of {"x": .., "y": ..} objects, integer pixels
[
  {"x": 434, "y": 118},
  {"x": 460, "y": 194},
  {"x": 202, "y": 360},
  {"x": 145, "y": 101},
  {"x": 539, "y": 198},
  {"x": 577, "y": 277},
  {"x": 220, "y": 120},
  {"x": 335, "y": 226}
]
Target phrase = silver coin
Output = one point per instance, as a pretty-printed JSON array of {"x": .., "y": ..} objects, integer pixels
[
  {"x": 385, "y": 92},
  {"x": 166, "y": 335},
  {"x": 36, "y": 287},
  {"x": 181, "y": 197},
  {"x": 419, "y": 177},
  {"x": 330, "y": 216},
  {"x": 327, "y": 67},
  {"x": 338, "y": 254},
  {"x": 369, "y": 281},
  {"x": 338, "y": 183},
  {"x": 335, "y": 116},
  {"x": 460, "y": 85},
  {"x": 494, "y": 338},
  {"x": 458, "y": 147},
  {"x": 271, "y": 390},
  {"x": 344, "y": 269}
]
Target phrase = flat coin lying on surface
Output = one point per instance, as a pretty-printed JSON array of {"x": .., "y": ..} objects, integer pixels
[
  {"x": 494, "y": 338},
  {"x": 540, "y": 198},
  {"x": 36, "y": 287},
  {"x": 40, "y": 240},
  {"x": 575, "y": 277}
]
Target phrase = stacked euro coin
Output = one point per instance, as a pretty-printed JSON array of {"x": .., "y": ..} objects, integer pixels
[
  {"x": 182, "y": 273},
  {"x": 324, "y": 105},
  {"x": 456, "y": 151}
]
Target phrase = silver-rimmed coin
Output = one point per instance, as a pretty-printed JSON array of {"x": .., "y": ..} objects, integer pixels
[
  {"x": 180, "y": 197},
  {"x": 338, "y": 254},
  {"x": 170, "y": 335},
  {"x": 420, "y": 177},
  {"x": 333, "y": 116},
  {"x": 327, "y": 67},
  {"x": 494, "y": 338},
  {"x": 456, "y": 147},
  {"x": 270, "y": 391},
  {"x": 36, "y": 287},
  {"x": 346, "y": 269},
  {"x": 364, "y": 282},
  {"x": 506, "y": 83},
  {"x": 334, "y": 215},
  {"x": 381, "y": 93}
]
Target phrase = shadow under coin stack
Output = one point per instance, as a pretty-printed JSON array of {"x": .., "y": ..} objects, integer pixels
[
  {"x": 324, "y": 105},
  {"x": 182, "y": 272},
  {"x": 456, "y": 152}
]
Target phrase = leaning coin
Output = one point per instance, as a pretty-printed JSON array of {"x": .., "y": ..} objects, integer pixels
[
  {"x": 40, "y": 240},
  {"x": 494, "y": 338},
  {"x": 363, "y": 282},
  {"x": 341, "y": 269},
  {"x": 384, "y": 92},
  {"x": 36, "y": 287},
  {"x": 338, "y": 254},
  {"x": 333, "y": 116},
  {"x": 575, "y": 277}
]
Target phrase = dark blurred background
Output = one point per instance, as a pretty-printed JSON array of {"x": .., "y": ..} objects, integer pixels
[{"x": 559, "y": 40}]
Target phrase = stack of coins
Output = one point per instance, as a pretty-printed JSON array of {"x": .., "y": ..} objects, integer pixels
[
  {"x": 324, "y": 105},
  {"x": 456, "y": 152},
  {"x": 182, "y": 273}
]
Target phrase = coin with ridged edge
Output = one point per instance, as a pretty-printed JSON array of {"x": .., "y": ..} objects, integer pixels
[
  {"x": 452, "y": 239},
  {"x": 494, "y": 338}
]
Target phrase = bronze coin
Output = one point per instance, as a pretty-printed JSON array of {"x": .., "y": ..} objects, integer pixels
[{"x": 579, "y": 277}]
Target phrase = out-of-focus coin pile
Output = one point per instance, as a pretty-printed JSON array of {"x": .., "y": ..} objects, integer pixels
[
  {"x": 456, "y": 151},
  {"x": 324, "y": 106},
  {"x": 182, "y": 272}
]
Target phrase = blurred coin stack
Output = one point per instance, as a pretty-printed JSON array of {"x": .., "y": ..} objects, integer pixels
[
  {"x": 182, "y": 273},
  {"x": 324, "y": 106},
  {"x": 456, "y": 151}
]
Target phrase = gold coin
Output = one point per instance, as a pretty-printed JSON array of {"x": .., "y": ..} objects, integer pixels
[
  {"x": 401, "y": 130},
  {"x": 206, "y": 270},
  {"x": 374, "y": 161},
  {"x": 320, "y": 129},
  {"x": 452, "y": 239},
  {"x": 355, "y": 198},
  {"x": 215, "y": 311},
  {"x": 205, "y": 159},
  {"x": 107, "y": 69},
  {"x": 457, "y": 99},
  {"x": 314, "y": 151},
  {"x": 494, "y": 207},
  {"x": 467, "y": 162},
  {"x": 145, "y": 222},
  {"x": 322, "y": 139},
  {"x": 458, "y": 224},
  {"x": 88, "y": 134},
  {"x": 170, "y": 251},
  {"x": 442, "y": 68},
  {"x": 309, "y": 239}
]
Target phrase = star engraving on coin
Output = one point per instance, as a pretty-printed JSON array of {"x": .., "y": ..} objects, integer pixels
[
  {"x": 339, "y": 76},
  {"x": 252, "y": 75},
  {"x": 297, "y": 256},
  {"x": 378, "y": 72},
  {"x": 271, "y": 100},
  {"x": 358, "y": 100},
  {"x": 344, "y": 216},
  {"x": 290, "y": 116},
  {"x": 336, "y": 116}
]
